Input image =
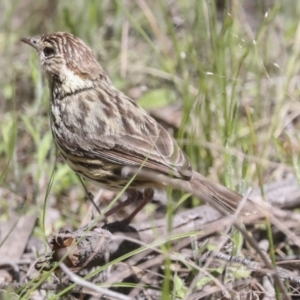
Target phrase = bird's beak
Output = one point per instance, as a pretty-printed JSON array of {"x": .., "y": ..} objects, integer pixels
[{"x": 33, "y": 42}]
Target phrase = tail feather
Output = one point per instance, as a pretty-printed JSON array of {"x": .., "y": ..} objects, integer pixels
[{"x": 227, "y": 198}]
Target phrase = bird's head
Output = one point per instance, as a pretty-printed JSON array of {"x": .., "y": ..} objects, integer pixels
[{"x": 66, "y": 58}]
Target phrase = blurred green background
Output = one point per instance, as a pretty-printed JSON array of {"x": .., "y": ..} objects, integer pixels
[{"x": 221, "y": 75}]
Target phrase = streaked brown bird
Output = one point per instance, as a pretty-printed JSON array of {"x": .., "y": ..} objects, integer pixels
[{"x": 99, "y": 130}]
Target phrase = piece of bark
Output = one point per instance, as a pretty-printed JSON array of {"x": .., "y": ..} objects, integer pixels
[
  {"x": 170, "y": 115},
  {"x": 89, "y": 246},
  {"x": 283, "y": 193},
  {"x": 14, "y": 235}
]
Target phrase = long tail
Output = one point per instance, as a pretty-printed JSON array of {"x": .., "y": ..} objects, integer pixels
[{"x": 227, "y": 198}]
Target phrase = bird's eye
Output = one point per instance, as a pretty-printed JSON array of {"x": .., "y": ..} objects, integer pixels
[{"x": 48, "y": 51}]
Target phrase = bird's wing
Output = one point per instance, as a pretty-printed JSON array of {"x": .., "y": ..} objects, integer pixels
[
  {"x": 157, "y": 153},
  {"x": 113, "y": 128}
]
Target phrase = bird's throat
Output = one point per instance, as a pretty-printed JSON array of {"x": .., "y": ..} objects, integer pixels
[{"x": 69, "y": 84}]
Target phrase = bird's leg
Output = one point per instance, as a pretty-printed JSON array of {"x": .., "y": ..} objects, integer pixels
[
  {"x": 89, "y": 194},
  {"x": 147, "y": 197},
  {"x": 132, "y": 196}
]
